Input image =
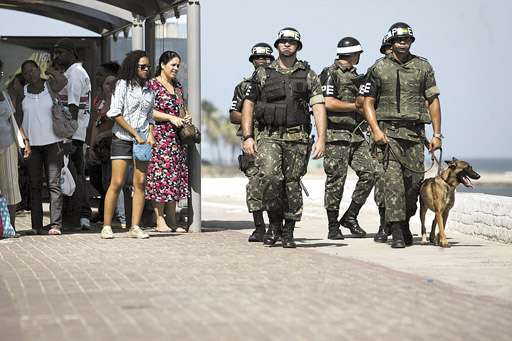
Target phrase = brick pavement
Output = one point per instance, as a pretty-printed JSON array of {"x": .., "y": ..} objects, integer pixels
[{"x": 216, "y": 286}]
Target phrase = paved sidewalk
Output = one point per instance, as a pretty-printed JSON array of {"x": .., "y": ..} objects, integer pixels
[
  {"x": 216, "y": 286},
  {"x": 475, "y": 265}
]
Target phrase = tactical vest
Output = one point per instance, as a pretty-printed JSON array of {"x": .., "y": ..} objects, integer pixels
[
  {"x": 283, "y": 100},
  {"x": 347, "y": 92},
  {"x": 402, "y": 92}
]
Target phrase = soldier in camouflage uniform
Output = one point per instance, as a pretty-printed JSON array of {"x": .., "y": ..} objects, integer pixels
[
  {"x": 346, "y": 144},
  {"x": 382, "y": 235},
  {"x": 280, "y": 97},
  {"x": 399, "y": 85},
  {"x": 261, "y": 54}
]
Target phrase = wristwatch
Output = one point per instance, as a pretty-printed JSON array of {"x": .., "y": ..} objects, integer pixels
[
  {"x": 439, "y": 136},
  {"x": 245, "y": 138}
]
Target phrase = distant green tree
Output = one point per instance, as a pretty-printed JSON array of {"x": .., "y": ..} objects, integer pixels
[{"x": 220, "y": 132}]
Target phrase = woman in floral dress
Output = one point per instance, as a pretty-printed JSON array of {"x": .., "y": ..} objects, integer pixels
[{"x": 167, "y": 175}]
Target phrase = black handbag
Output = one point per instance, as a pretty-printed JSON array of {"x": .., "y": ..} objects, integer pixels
[{"x": 188, "y": 133}]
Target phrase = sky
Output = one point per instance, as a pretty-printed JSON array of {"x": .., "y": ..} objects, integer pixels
[{"x": 468, "y": 46}]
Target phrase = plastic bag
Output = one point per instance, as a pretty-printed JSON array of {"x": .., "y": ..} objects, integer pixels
[{"x": 67, "y": 183}]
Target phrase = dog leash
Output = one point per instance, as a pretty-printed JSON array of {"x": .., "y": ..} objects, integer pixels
[{"x": 388, "y": 149}]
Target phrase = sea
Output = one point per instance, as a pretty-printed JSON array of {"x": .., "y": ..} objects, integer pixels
[{"x": 497, "y": 167}]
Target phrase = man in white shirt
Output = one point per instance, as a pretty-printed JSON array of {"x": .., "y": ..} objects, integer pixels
[{"x": 76, "y": 97}]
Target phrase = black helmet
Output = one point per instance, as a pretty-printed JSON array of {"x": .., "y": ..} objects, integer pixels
[
  {"x": 385, "y": 43},
  {"x": 400, "y": 29},
  {"x": 261, "y": 50},
  {"x": 288, "y": 33},
  {"x": 348, "y": 46}
]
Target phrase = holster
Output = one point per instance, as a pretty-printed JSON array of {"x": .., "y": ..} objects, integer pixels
[{"x": 245, "y": 161}]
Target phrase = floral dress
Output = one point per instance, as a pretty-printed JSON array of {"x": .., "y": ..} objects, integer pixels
[{"x": 167, "y": 173}]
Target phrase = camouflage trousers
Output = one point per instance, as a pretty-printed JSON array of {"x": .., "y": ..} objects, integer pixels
[
  {"x": 338, "y": 156},
  {"x": 253, "y": 189},
  {"x": 400, "y": 186},
  {"x": 281, "y": 163}
]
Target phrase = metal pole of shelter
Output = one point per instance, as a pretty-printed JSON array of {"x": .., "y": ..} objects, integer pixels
[
  {"x": 137, "y": 33},
  {"x": 194, "y": 105}
]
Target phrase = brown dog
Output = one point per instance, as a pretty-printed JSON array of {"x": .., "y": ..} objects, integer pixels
[{"x": 438, "y": 195}]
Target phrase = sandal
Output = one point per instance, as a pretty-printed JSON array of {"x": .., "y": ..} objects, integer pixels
[
  {"x": 163, "y": 229},
  {"x": 54, "y": 231}
]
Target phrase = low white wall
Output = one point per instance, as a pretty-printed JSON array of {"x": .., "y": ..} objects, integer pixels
[{"x": 482, "y": 215}]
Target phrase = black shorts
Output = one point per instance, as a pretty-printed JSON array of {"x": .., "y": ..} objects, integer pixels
[{"x": 121, "y": 149}]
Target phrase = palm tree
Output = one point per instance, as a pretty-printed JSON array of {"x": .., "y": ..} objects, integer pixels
[{"x": 220, "y": 132}]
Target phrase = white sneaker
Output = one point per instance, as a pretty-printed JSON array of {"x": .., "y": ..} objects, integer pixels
[
  {"x": 85, "y": 224},
  {"x": 123, "y": 225},
  {"x": 106, "y": 232},
  {"x": 136, "y": 232}
]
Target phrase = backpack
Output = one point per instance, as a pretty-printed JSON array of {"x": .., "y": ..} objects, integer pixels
[{"x": 64, "y": 126}]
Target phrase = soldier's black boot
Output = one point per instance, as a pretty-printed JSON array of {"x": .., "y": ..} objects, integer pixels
[
  {"x": 275, "y": 228},
  {"x": 398, "y": 238},
  {"x": 289, "y": 226},
  {"x": 349, "y": 220},
  {"x": 408, "y": 239},
  {"x": 259, "y": 224},
  {"x": 334, "y": 226},
  {"x": 381, "y": 236}
]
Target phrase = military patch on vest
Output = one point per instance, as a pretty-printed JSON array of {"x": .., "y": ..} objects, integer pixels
[
  {"x": 365, "y": 88},
  {"x": 328, "y": 90}
]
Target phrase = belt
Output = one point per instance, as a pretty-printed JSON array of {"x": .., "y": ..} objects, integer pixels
[
  {"x": 340, "y": 126},
  {"x": 402, "y": 124},
  {"x": 291, "y": 130}
]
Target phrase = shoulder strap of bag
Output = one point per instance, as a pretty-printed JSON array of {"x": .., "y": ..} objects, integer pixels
[
  {"x": 53, "y": 95},
  {"x": 179, "y": 95}
]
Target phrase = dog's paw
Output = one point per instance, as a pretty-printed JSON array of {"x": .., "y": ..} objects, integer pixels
[{"x": 444, "y": 243}]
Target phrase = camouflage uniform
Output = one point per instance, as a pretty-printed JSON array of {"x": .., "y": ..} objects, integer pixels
[
  {"x": 400, "y": 90},
  {"x": 344, "y": 148},
  {"x": 254, "y": 193},
  {"x": 282, "y": 155}
]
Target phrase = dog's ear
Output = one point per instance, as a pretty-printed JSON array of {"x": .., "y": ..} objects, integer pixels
[{"x": 451, "y": 164}]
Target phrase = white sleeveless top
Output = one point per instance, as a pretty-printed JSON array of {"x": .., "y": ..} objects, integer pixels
[{"x": 37, "y": 117}]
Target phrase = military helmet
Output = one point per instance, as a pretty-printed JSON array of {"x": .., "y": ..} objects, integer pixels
[
  {"x": 261, "y": 50},
  {"x": 289, "y": 33},
  {"x": 385, "y": 43},
  {"x": 348, "y": 46},
  {"x": 400, "y": 29}
]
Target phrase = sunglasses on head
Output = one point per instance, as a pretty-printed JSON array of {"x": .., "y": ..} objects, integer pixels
[{"x": 144, "y": 67}]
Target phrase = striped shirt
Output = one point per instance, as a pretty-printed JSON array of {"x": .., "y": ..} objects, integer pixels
[
  {"x": 135, "y": 103},
  {"x": 78, "y": 92}
]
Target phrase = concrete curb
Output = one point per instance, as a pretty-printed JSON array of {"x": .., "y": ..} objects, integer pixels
[{"x": 482, "y": 215}]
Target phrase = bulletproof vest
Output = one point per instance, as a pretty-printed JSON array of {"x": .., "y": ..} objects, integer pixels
[
  {"x": 402, "y": 92},
  {"x": 347, "y": 92},
  {"x": 283, "y": 100}
]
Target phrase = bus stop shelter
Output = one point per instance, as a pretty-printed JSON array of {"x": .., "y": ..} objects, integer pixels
[{"x": 111, "y": 18}]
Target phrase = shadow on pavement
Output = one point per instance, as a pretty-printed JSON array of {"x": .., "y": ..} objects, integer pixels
[
  {"x": 221, "y": 225},
  {"x": 313, "y": 245}
]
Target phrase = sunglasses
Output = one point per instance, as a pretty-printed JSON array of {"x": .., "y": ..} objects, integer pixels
[
  {"x": 144, "y": 67},
  {"x": 289, "y": 41}
]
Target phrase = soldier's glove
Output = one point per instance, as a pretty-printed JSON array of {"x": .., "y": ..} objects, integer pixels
[{"x": 245, "y": 162}]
